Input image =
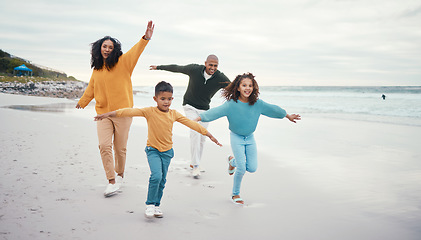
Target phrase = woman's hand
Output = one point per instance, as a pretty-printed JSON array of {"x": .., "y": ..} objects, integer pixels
[
  {"x": 149, "y": 30},
  {"x": 78, "y": 106}
]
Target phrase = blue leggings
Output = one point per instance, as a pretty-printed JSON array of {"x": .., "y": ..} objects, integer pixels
[
  {"x": 158, "y": 164},
  {"x": 245, "y": 158}
]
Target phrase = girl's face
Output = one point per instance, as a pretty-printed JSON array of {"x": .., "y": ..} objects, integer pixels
[
  {"x": 245, "y": 89},
  {"x": 106, "y": 48}
]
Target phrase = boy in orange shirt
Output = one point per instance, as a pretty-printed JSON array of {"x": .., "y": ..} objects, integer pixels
[{"x": 159, "y": 144}]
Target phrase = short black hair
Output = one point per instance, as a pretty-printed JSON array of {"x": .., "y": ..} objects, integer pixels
[{"x": 163, "y": 87}]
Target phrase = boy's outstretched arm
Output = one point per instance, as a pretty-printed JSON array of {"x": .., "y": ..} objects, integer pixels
[
  {"x": 213, "y": 139},
  {"x": 105, "y": 115},
  {"x": 293, "y": 117}
]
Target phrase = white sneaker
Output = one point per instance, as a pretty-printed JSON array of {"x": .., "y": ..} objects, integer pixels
[
  {"x": 150, "y": 211},
  {"x": 200, "y": 167},
  {"x": 196, "y": 173},
  {"x": 119, "y": 181},
  {"x": 111, "y": 190},
  {"x": 158, "y": 213}
]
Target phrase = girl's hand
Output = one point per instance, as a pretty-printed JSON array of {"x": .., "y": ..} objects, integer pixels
[
  {"x": 198, "y": 119},
  {"x": 149, "y": 30},
  {"x": 78, "y": 106},
  {"x": 293, "y": 117}
]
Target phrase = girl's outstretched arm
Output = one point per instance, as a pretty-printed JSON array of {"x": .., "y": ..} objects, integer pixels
[
  {"x": 213, "y": 139},
  {"x": 105, "y": 115},
  {"x": 293, "y": 117}
]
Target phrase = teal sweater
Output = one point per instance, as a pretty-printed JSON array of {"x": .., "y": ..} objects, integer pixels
[
  {"x": 199, "y": 91},
  {"x": 242, "y": 117}
]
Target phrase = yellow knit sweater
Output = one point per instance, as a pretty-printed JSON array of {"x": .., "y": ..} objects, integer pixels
[
  {"x": 112, "y": 89},
  {"x": 160, "y": 125}
]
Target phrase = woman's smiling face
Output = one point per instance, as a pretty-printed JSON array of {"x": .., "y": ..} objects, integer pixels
[{"x": 106, "y": 48}]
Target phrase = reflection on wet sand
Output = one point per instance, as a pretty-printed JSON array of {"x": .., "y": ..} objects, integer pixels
[{"x": 53, "y": 107}]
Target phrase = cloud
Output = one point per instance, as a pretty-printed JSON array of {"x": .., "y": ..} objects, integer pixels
[
  {"x": 302, "y": 42},
  {"x": 411, "y": 12}
]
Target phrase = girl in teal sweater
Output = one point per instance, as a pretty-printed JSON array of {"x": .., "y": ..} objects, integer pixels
[{"x": 243, "y": 109}]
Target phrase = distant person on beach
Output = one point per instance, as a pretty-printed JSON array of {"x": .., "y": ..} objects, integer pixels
[
  {"x": 243, "y": 109},
  {"x": 111, "y": 86},
  {"x": 383, "y": 96},
  {"x": 204, "y": 82},
  {"x": 159, "y": 149}
]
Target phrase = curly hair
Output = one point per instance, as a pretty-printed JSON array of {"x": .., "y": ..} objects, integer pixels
[
  {"x": 97, "y": 61},
  {"x": 231, "y": 91}
]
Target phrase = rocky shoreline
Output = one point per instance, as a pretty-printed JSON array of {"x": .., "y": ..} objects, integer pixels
[{"x": 57, "y": 89}]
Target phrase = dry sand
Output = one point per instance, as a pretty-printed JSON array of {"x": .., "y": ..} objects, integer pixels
[{"x": 327, "y": 179}]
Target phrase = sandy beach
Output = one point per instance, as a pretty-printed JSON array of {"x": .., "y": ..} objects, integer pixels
[{"x": 325, "y": 179}]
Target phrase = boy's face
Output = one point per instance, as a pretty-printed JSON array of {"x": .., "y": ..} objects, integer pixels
[{"x": 163, "y": 101}]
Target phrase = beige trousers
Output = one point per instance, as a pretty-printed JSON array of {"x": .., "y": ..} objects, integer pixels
[{"x": 117, "y": 127}]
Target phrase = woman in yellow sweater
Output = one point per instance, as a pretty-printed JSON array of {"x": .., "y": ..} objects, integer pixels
[{"x": 111, "y": 86}]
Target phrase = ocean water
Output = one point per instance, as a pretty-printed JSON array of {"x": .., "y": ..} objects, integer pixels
[{"x": 402, "y": 104}]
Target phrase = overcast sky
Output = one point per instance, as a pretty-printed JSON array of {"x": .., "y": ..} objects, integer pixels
[{"x": 294, "y": 42}]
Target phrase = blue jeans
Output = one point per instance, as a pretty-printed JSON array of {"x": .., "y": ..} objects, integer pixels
[
  {"x": 158, "y": 164},
  {"x": 245, "y": 158}
]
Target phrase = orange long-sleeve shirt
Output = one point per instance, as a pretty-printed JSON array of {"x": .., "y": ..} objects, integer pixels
[
  {"x": 160, "y": 125},
  {"x": 112, "y": 89}
]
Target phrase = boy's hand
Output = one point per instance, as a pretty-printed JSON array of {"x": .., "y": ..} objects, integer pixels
[
  {"x": 100, "y": 117},
  {"x": 152, "y": 67},
  {"x": 213, "y": 139},
  {"x": 293, "y": 117},
  {"x": 105, "y": 115}
]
